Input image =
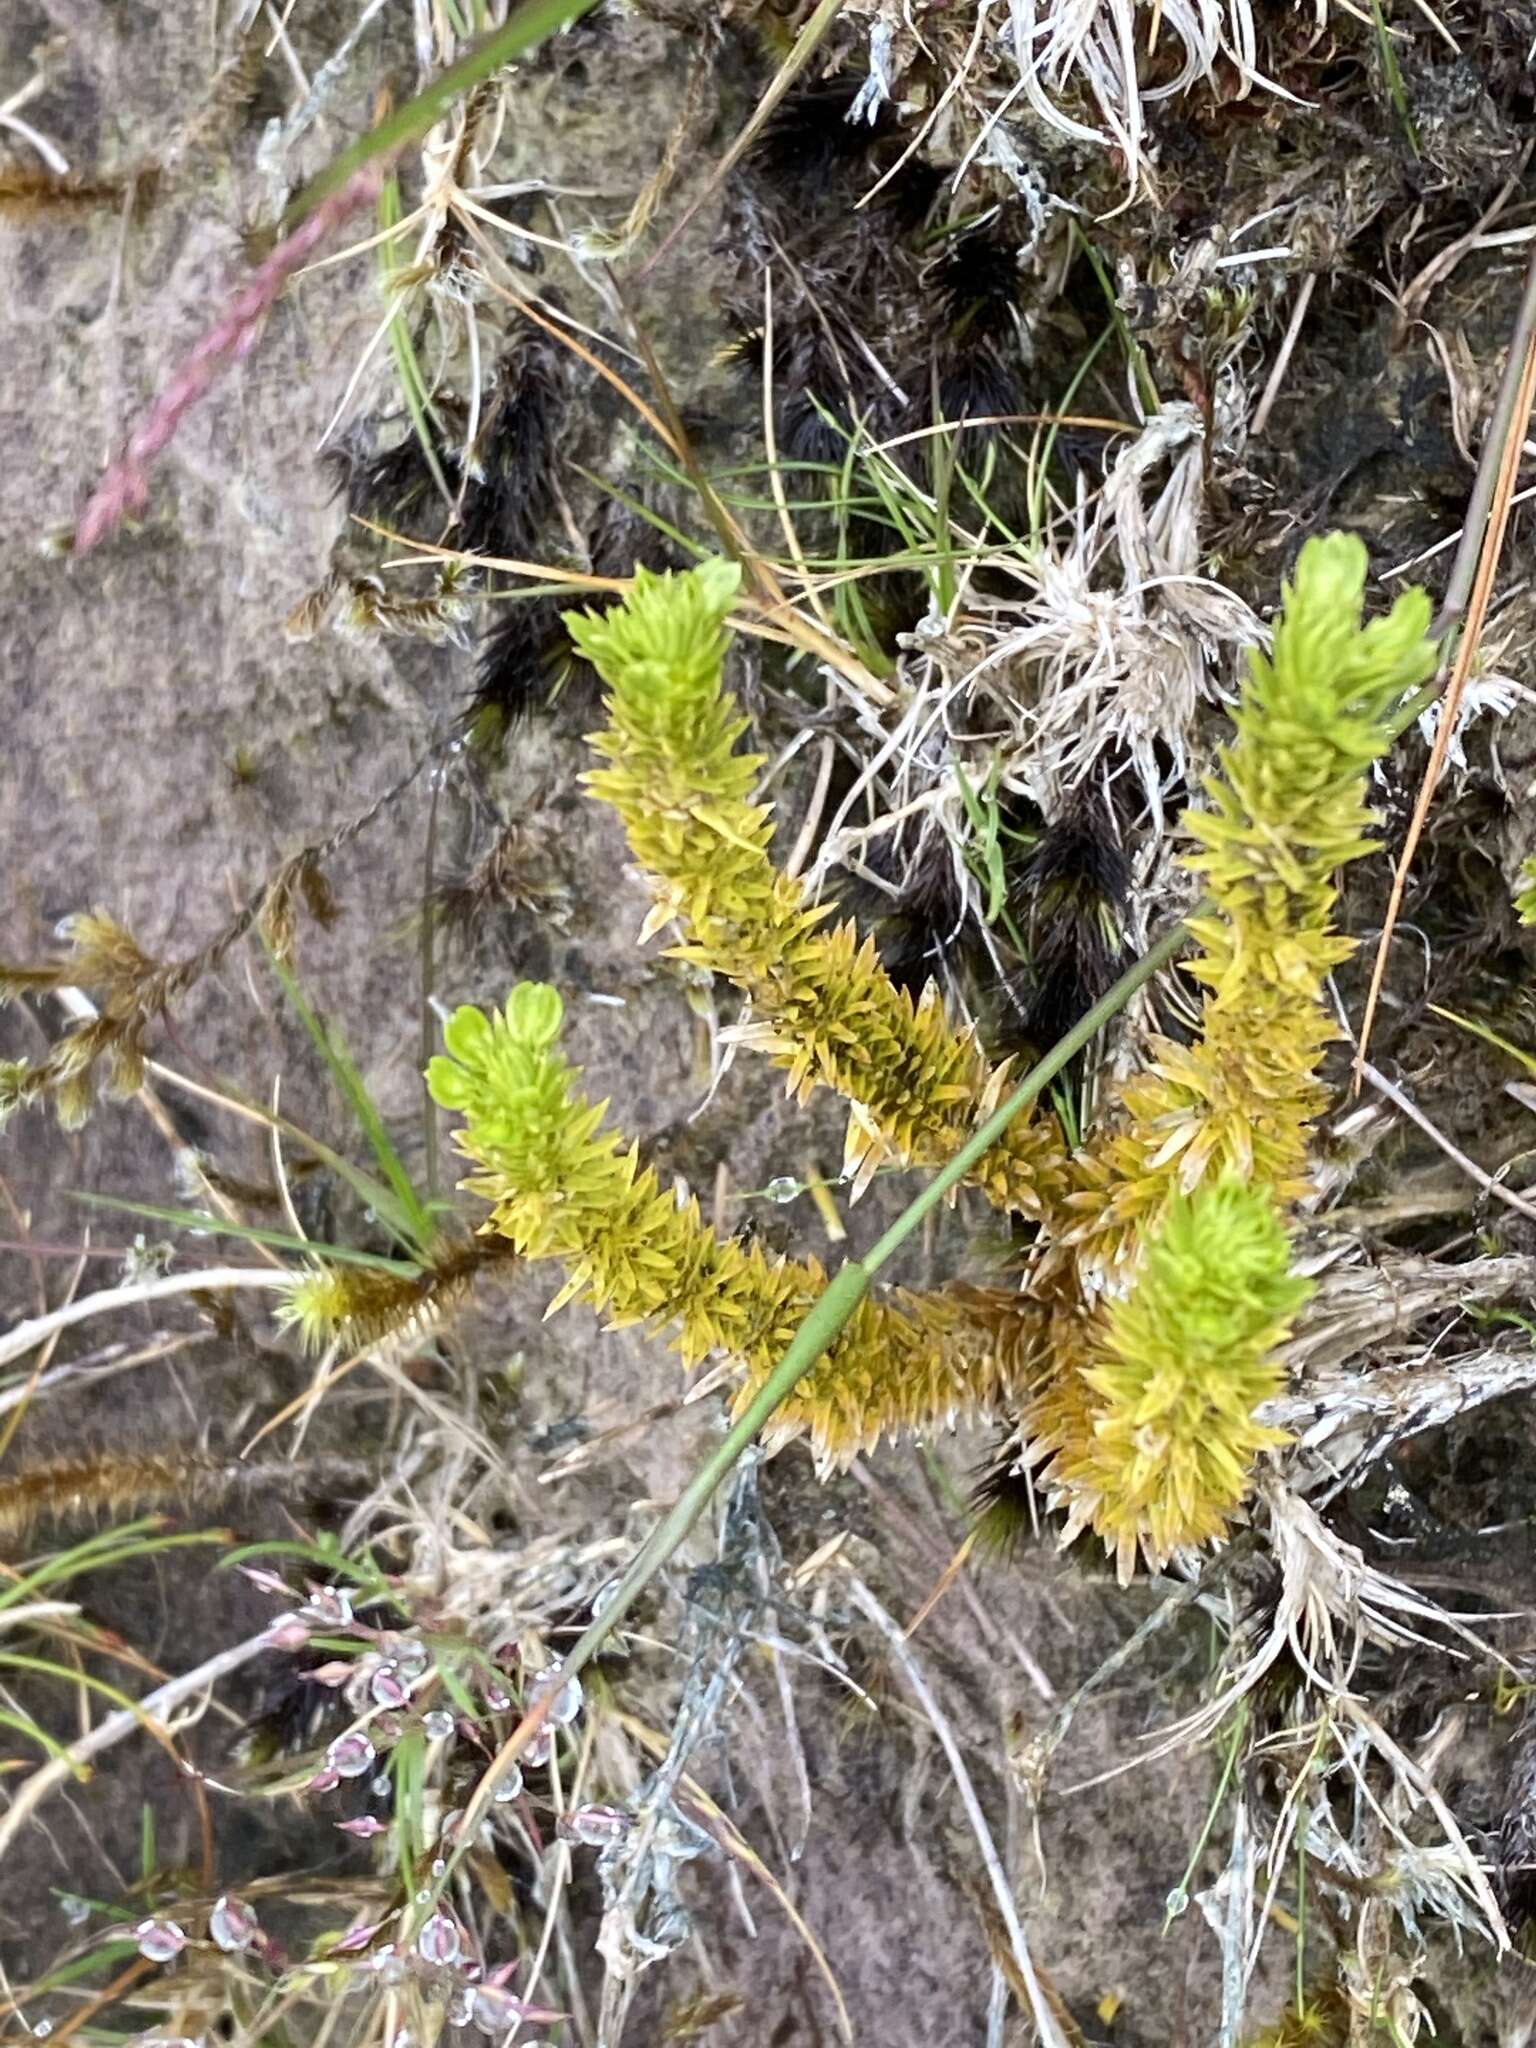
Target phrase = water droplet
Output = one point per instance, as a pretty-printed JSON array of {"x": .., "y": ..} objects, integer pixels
[
  {"x": 350, "y": 1755},
  {"x": 409, "y": 1656},
  {"x": 566, "y": 1704},
  {"x": 387, "y": 1689},
  {"x": 494, "y": 2011},
  {"x": 438, "y": 1724},
  {"x": 595, "y": 1826},
  {"x": 509, "y": 1786},
  {"x": 331, "y": 1605},
  {"x": 782, "y": 1188},
  {"x": 233, "y": 1926},
  {"x": 160, "y": 1941},
  {"x": 438, "y": 1941}
]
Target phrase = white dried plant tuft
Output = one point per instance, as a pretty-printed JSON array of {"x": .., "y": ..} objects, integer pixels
[{"x": 1124, "y": 638}]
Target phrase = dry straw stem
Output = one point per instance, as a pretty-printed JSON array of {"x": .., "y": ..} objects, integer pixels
[
  {"x": 768, "y": 592},
  {"x": 805, "y": 45},
  {"x": 21, "y": 1337},
  {"x": 719, "y": 1823},
  {"x": 104, "y": 1364},
  {"x": 1486, "y": 1181},
  {"x": 150, "y": 1714},
  {"x": 1492, "y": 495},
  {"x": 770, "y": 596}
]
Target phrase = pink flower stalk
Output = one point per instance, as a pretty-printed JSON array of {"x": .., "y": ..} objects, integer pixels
[{"x": 125, "y": 487}]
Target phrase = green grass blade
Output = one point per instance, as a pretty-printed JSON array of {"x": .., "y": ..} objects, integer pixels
[
  {"x": 44, "y": 1667},
  {"x": 530, "y": 24},
  {"x": 25, "y": 1727},
  {"x": 413, "y": 387},
  {"x": 409, "y": 1213},
  {"x": 135, "y": 1540},
  {"x": 251, "y": 1233}
]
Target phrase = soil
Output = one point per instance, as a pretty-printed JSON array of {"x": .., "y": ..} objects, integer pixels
[{"x": 166, "y": 746}]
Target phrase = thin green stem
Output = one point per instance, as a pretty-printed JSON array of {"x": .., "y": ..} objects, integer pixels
[
  {"x": 530, "y": 24},
  {"x": 428, "y": 985},
  {"x": 1065, "y": 1050},
  {"x": 816, "y": 1335},
  {"x": 1301, "y": 1907}
]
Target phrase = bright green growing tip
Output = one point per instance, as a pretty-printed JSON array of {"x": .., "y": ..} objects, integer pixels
[
  {"x": 1189, "y": 1354},
  {"x": 1218, "y": 1275},
  {"x": 504, "y": 1074},
  {"x": 1525, "y": 893},
  {"x": 668, "y": 637},
  {"x": 1320, "y": 638},
  {"x": 535, "y": 1014},
  {"x": 497, "y": 1050}
]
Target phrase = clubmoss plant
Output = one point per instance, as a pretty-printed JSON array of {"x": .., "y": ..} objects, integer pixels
[
  {"x": 821, "y": 1004},
  {"x": 1239, "y": 1103},
  {"x": 563, "y": 1188},
  {"x": 1159, "y": 1434},
  {"x": 1147, "y": 1337},
  {"x": 1287, "y": 811}
]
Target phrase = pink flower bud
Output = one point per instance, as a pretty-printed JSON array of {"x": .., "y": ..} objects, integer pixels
[
  {"x": 494, "y": 2010},
  {"x": 287, "y": 1632},
  {"x": 269, "y": 1582},
  {"x": 356, "y": 1937},
  {"x": 365, "y": 1827}
]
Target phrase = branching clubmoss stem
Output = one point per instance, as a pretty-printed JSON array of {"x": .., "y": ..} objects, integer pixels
[{"x": 820, "y": 1329}]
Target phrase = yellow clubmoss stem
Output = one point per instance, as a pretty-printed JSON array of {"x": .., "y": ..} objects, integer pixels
[
  {"x": 822, "y": 1005},
  {"x": 844, "y": 1294}
]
